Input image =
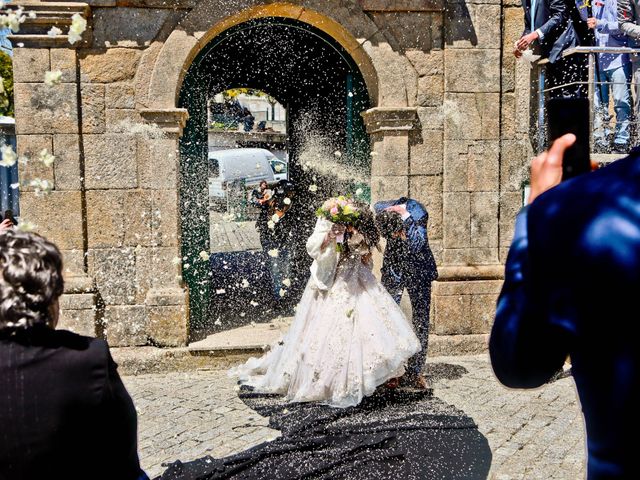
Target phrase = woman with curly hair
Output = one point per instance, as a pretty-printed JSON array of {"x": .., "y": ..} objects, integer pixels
[{"x": 64, "y": 412}]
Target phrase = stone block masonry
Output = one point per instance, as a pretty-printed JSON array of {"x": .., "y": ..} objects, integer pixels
[{"x": 448, "y": 126}]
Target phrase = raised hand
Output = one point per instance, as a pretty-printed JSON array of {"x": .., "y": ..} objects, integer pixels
[
  {"x": 546, "y": 168},
  {"x": 6, "y": 225}
]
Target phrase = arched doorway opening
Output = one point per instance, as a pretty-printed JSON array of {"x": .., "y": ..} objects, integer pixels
[{"x": 323, "y": 92}]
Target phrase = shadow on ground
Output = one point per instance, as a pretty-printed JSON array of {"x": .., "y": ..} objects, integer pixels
[{"x": 393, "y": 434}]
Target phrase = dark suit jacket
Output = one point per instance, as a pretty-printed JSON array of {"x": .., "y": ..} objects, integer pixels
[
  {"x": 555, "y": 19},
  {"x": 64, "y": 412},
  {"x": 412, "y": 258},
  {"x": 572, "y": 283}
]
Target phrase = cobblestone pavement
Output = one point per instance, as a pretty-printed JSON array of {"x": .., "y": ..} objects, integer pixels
[{"x": 535, "y": 434}]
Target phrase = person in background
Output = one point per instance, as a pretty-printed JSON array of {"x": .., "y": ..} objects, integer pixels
[
  {"x": 283, "y": 234},
  {"x": 629, "y": 25},
  {"x": 248, "y": 120},
  {"x": 549, "y": 27},
  {"x": 613, "y": 77},
  {"x": 260, "y": 198},
  {"x": 572, "y": 236},
  {"x": 64, "y": 412}
]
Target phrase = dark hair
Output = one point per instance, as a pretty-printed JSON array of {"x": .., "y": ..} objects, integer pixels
[
  {"x": 30, "y": 280},
  {"x": 389, "y": 223},
  {"x": 366, "y": 225}
]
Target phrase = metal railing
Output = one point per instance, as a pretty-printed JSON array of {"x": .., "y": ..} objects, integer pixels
[{"x": 541, "y": 93}]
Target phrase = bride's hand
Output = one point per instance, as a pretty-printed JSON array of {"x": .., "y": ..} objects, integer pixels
[
  {"x": 366, "y": 258},
  {"x": 336, "y": 231}
]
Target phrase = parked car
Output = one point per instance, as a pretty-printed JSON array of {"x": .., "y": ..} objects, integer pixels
[
  {"x": 280, "y": 169},
  {"x": 243, "y": 165}
]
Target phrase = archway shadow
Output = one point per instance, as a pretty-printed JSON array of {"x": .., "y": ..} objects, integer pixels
[{"x": 393, "y": 434}]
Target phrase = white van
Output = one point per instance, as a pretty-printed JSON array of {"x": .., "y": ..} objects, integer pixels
[{"x": 248, "y": 165}]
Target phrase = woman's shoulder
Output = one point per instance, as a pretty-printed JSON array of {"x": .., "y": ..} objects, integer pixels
[
  {"x": 78, "y": 361},
  {"x": 88, "y": 349},
  {"x": 69, "y": 349}
]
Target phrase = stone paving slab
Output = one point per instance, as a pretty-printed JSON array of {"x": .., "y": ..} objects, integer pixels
[
  {"x": 532, "y": 434},
  {"x": 230, "y": 236}
]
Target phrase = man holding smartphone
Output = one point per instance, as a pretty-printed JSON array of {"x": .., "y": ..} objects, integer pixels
[{"x": 572, "y": 279}]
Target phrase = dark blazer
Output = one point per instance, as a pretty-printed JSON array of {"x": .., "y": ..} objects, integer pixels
[
  {"x": 572, "y": 282},
  {"x": 555, "y": 19},
  {"x": 414, "y": 257},
  {"x": 64, "y": 412}
]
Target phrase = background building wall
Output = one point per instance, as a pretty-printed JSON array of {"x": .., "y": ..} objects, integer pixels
[{"x": 449, "y": 127}]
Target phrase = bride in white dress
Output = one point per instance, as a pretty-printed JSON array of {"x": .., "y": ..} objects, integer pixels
[{"x": 348, "y": 335}]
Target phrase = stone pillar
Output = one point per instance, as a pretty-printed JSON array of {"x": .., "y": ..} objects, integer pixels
[
  {"x": 48, "y": 117},
  {"x": 470, "y": 272},
  {"x": 391, "y": 130},
  {"x": 158, "y": 160}
]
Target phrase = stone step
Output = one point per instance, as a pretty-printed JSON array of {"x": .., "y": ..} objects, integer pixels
[
  {"x": 252, "y": 338},
  {"x": 229, "y": 348}
]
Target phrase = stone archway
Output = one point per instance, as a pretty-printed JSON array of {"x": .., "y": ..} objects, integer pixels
[
  {"x": 389, "y": 78},
  {"x": 286, "y": 47},
  {"x": 208, "y": 20}
]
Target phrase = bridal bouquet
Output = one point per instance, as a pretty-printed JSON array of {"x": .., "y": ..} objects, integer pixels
[{"x": 339, "y": 210}]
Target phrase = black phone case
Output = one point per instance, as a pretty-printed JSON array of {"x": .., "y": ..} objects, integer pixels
[{"x": 571, "y": 115}]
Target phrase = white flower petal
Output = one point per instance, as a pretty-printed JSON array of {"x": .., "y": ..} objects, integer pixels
[
  {"x": 26, "y": 226},
  {"x": 53, "y": 78},
  {"x": 45, "y": 157},
  {"x": 9, "y": 157},
  {"x": 54, "y": 32}
]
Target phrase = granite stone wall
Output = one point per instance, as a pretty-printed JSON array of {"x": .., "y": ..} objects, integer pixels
[{"x": 449, "y": 126}]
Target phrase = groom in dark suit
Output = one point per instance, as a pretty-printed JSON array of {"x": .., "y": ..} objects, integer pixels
[{"x": 408, "y": 263}]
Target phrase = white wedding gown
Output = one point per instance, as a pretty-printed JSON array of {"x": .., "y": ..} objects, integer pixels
[{"x": 347, "y": 338}]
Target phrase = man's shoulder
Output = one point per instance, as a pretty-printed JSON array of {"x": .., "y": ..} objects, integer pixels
[
  {"x": 583, "y": 198},
  {"x": 69, "y": 355},
  {"x": 75, "y": 347},
  {"x": 416, "y": 209}
]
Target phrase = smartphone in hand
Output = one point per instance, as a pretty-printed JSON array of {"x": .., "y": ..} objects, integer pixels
[{"x": 571, "y": 115}]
